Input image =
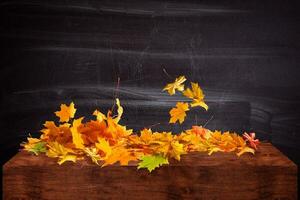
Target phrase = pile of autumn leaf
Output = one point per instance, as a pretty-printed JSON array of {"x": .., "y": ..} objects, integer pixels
[{"x": 105, "y": 141}]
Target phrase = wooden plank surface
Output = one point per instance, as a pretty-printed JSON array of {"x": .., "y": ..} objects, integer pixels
[{"x": 267, "y": 175}]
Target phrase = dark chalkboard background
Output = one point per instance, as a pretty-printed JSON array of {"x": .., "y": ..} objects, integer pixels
[{"x": 245, "y": 55}]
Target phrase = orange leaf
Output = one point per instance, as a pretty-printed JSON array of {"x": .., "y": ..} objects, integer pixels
[
  {"x": 66, "y": 112},
  {"x": 121, "y": 155},
  {"x": 179, "y": 113}
]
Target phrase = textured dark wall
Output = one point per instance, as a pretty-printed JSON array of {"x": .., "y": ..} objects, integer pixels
[{"x": 244, "y": 54}]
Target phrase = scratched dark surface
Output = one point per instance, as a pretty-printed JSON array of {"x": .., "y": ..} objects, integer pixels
[{"x": 244, "y": 54}]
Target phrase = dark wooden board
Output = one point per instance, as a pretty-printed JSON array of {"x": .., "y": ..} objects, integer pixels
[{"x": 267, "y": 175}]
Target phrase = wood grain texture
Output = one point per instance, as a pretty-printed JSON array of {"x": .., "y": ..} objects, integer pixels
[{"x": 267, "y": 175}]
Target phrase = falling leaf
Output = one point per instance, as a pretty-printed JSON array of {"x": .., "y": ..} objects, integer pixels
[
  {"x": 120, "y": 111},
  {"x": 77, "y": 139},
  {"x": 66, "y": 112},
  {"x": 176, "y": 85},
  {"x": 99, "y": 115},
  {"x": 152, "y": 161},
  {"x": 179, "y": 113},
  {"x": 196, "y": 94}
]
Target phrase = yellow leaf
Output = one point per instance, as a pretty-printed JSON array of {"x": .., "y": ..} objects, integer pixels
[
  {"x": 176, "y": 85},
  {"x": 245, "y": 150},
  {"x": 57, "y": 150},
  {"x": 93, "y": 154},
  {"x": 103, "y": 146},
  {"x": 99, "y": 115},
  {"x": 33, "y": 140},
  {"x": 120, "y": 111},
  {"x": 179, "y": 113},
  {"x": 196, "y": 94},
  {"x": 68, "y": 157},
  {"x": 213, "y": 149},
  {"x": 66, "y": 112},
  {"x": 177, "y": 150},
  {"x": 34, "y": 145},
  {"x": 77, "y": 139}
]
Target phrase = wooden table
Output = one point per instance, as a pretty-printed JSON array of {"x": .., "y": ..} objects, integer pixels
[{"x": 267, "y": 175}]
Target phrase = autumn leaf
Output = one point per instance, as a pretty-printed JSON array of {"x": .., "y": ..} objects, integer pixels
[
  {"x": 250, "y": 138},
  {"x": 176, "y": 85},
  {"x": 77, "y": 139},
  {"x": 35, "y": 146},
  {"x": 179, "y": 113},
  {"x": 66, "y": 112},
  {"x": 92, "y": 130},
  {"x": 146, "y": 136},
  {"x": 99, "y": 115},
  {"x": 57, "y": 150},
  {"x": 121, "y": 155},
  {"x": 212, "y": 149},
  {"x": 120, "y": 111},
  {"x": 200, "y": 131},
  {"x": 38, "y": 148},
  {"x": 196, "y": 94},
  {"x": 116, "y": 129},
  {"x": 104, "y": 146},
  {"x": 245, "y": 150},
  {"x": 177, "y": 150},
  {"x": 93, "y": 154},
  {"x": 152, "y": 161}
]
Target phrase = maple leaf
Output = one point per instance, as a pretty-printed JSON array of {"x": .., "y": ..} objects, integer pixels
[
  {"x": 146, "y": 135},
  {"x": 200, "y": 131},
  {"x": 38, "y": 148},
  {"x": 191, "y": 141},
  {"x": 34, "y": 145},
  {"x": 115, "y": 129},
  {"x": 93, "y": 154},
  {"x": 62, "y": 133},
  {"x": 91, "y": 130},
  {"x": 76, "y": 135},
  {"x": 152, "y": 161},
  {"x": 104, "y": 146},
  {"x": 66, "y": 112},
  {"x": 245, "y": 150},
  {"x": 196, "y": 94},
  {"x": 99, "y": 115},
  {"x": 251, "y": 139},
  {"x": 57, "y": 150},
  {"x": 119, "y": 154},
  {"x": 179, "y": 113},
  {"x": 176, "y": 150},
  {"x": 176, "y": 85}
]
